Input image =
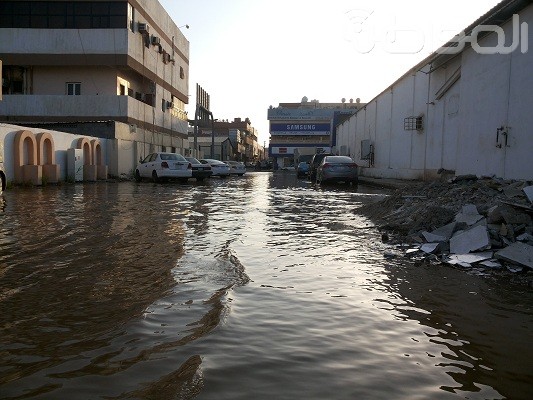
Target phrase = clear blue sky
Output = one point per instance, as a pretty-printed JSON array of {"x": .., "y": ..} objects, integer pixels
[{"x": 251, "y": 54}]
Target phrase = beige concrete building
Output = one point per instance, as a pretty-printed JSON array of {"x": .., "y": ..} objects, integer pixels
[{"x": 116, "y": 70}]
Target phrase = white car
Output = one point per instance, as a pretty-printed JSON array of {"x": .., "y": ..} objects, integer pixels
[
  {"x": 218, "y": 167},
  {"x": 237, "y": 167},
  {"x": 164, "y": 166}
]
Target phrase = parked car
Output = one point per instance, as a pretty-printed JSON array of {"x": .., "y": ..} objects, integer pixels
[
  {"x": 302, "y": 169},
  {"x": 199, "y": 171},
  {"x": 313, "y": 164},
  {"x": 163, "y": 166},
  {"x": 218, "y": 167},
  {"x": 237, "y": 167},
  {"x": 337, "y": 169}
]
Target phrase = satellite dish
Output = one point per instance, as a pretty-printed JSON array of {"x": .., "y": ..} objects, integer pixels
[
  {"x": 305, "y": 99},
  {"x": 343, "y": 100},
  {"x": 351, "y": 101},
  {"x": 358, "y": 100}
]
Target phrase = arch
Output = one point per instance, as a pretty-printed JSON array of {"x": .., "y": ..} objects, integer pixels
[
  {"x": 26, "y": 168},
  {"x": 46, "y": 157},
  {"x": 85, "y": 145},
  {"x": 97, "y": 152},
  {"x": 46, "y": 149},
  {"x": 101, "y": 168}
]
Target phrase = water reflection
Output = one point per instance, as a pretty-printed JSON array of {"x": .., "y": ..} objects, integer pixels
[{"x": 261, "y": 287}]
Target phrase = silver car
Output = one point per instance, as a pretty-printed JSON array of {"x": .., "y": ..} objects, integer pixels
[
  {"x": 237, "y": 167},
  {"x": 337, "y": 169},
  {"x": 218, "y": 167}
]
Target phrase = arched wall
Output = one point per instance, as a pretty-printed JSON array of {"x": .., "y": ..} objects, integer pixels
[{"x": 26, "y": 171}]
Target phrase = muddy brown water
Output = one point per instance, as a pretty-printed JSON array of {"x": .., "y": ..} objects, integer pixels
[{"x": 260, "y": 287}]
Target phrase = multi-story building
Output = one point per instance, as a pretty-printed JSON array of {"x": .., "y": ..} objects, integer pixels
[
  {"x": 236, "y": 140},
  {"x": 305, "y": 128},
  {"x": 113, "y": 69}
]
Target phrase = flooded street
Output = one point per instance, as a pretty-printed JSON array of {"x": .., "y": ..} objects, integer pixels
[{"x": 260, "y": 287}]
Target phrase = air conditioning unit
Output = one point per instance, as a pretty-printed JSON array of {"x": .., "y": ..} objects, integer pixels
[
  {"x": 156, "y": 41},
  {"x": 170, "y": 104},
  {"x": 143, "y": 27}
]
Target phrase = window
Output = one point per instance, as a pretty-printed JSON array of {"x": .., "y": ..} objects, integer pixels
[
  {"x": 73, "y": 88},
  {"x": 163, "y": 105},
  {"x": 131, "y": 17},
  {"x": 65, "y": 14},
  {"x": 182, "y": 73},
  {"x": 122, "y": 90}
]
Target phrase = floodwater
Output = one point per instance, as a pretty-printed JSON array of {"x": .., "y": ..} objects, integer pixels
[{"x": 260, "y": 287}]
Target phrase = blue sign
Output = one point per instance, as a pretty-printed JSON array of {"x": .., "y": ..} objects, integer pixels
[{"x": 300, "y": 128}]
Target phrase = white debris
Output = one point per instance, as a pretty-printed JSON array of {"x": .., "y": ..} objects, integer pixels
[
  {"x": 470, "y": 258},
  {"x": 473, "y": 239},
  {"x": 528, "y": 190},
  {"x": 519, "y": 253},
  {"x": 491, "y": 264}
]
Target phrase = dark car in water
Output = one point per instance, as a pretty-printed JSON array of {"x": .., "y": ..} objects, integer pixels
[
  {"x": 199, "y": 171},
  {"x": 302, "y": 169},
  {"x": 337, "y": 169},
  {"x": 314, "y": 163}
]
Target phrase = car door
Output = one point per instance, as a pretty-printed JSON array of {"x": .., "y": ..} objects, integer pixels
[{"x": 147, "y": 165}]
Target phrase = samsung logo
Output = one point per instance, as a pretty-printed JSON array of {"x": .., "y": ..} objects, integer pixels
[{"x": 301, "y": 127}]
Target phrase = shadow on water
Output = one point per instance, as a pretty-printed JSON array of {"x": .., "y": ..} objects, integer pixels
[{"x": 484, "y": 325}]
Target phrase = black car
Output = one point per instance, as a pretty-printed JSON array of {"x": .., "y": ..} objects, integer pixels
[
  {"x": 199, "y": 171},
  {"x": 314, "y": 163}
]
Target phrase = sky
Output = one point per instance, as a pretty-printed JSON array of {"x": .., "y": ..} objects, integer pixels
[{"x": 253, "y": 54}]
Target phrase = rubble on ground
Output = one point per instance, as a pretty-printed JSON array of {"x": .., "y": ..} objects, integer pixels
[{"x": 466, "y": 222}]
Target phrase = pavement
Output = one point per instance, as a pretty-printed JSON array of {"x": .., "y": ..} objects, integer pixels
[{"x": 385, "y": 183}]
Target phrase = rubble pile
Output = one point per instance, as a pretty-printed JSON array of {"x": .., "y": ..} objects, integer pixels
[{"x": 466, "y": 222}]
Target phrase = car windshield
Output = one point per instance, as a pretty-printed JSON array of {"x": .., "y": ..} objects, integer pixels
[
  {"x": 171, "y": 157},
  {"x": 338, "y": 159}
]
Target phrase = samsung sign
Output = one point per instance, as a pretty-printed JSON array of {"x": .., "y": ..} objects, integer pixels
[{"x": 300, "y": 129}]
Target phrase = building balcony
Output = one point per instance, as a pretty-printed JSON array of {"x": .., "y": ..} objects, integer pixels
[{"x": 56, "y": 108}]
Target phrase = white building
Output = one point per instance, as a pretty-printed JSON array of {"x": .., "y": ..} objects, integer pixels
[
  {"x": 116, "y": 70},
  {"x": 467, "y": 112}
]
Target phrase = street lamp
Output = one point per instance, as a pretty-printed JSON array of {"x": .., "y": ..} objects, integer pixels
[{"x": 186, "y": 26}]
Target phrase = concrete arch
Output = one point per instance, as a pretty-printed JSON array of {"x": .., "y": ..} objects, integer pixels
[
  {"x": 98, "y": 159},
  {"x": 85, "y": 145},
  {"x": 46, "y": 149},
  {"x": 46, "y": 157},
  {"x": 26, "y": 168}
]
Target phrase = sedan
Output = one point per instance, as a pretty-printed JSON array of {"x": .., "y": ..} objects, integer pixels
[
  {"x": 237, "y": 167},
  {"x": 302, "y": 169},
  {"x": 199, "y": 171},
  {"x": 218, "y": 167},
  {"x": 336, "y": 169},
  {"x": 163, "y": 166}
]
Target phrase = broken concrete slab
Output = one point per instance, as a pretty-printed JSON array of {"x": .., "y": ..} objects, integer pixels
[
  {"x": 470, "y": 258},
  {"x": 528, "y": 190},
  {"x": 470, "y": 240},
  {"x": 469, "y": 215},
  {"x": 491, "y": 264},
  {"x": 432, "y": 238},
  {"x": 518, "y": 253},
  {"x": 429, "y": 247},
  {"x": 445, "y": 231}
]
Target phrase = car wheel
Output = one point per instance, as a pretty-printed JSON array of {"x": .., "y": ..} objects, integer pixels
[
  {"x": 137, "y": 175},
  {"x": 155, "y": 178}
]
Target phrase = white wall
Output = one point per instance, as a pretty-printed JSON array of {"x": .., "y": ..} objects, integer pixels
[
  {"x": 62, "y": 142},
  {"x": 460, "y": 126}
]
